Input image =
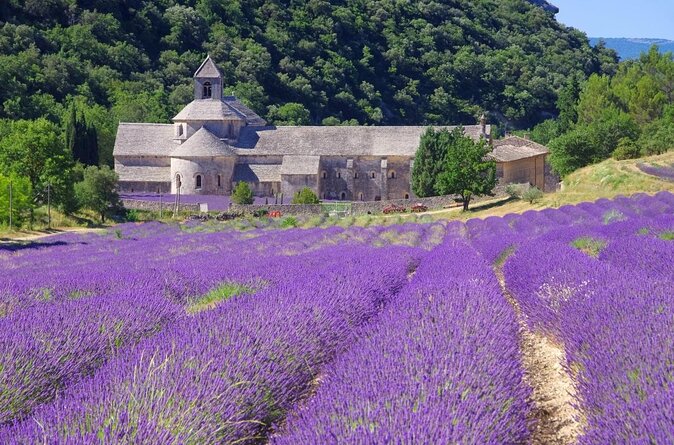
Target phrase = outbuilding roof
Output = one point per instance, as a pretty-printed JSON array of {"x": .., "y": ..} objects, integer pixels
[
  {"x": 202, "y": 144},
  {"x": 143, "y": 173},
  {"x": 300, "y": 165},
  {"x": 336, "y": 141},
  {"x": 144, "y": 139},
  {"x": 257, "y": 172},
  {"x": 513, "y": 148}
]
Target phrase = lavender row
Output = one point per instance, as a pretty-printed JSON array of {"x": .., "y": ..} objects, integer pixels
[
  {"x": 614, "y": 319},
  {"x": 226, "y": 375},
  {"x": 441, "y": 365}
]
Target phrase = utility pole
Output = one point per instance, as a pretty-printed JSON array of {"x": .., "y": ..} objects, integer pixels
[
  {"x": 10, "y": 205},
  {"x": 48, "y": 205}
]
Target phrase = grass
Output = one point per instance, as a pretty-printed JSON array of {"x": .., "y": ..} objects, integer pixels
[
  {"x": 667, "y": 236},
  {"x": 589, "y": 246},
  {"x": 216, "y": 296}
]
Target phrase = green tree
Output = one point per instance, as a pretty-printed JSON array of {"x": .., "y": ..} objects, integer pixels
[
  {"x": 289, "y": 114},
  {"x": 572, "y": 151},
  {"x": 21, "y": 199},
  {"x": 467, "y": 168},
  {"x": 428, "y": 162},
  {"x": 242, "y": 194},
  {"x": 35, "y": 150},
  {"x": 98, "y": 190},
  {"x": 305, "y": 196},
  {"x": 81, "y": 138}
]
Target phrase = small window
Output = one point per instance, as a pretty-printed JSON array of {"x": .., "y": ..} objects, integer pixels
[
  {"x": 339, "y": 175},
  {"x": 342, "y": 196},
  {"x": 219, "y": 181},
  {"x": 372, "y": 175},
  {"x": 360, "y": 196},
  {"x": 325, "y": 195},
  {"x": 355, "y": 175},
  {"x": 392, "y": 175},
  {"x": 407, "y": 196},
  {"x": 324, "y": 174},
  {"x": 179, "y": 129},
  {"x": 208, "y": 90},
  {"x": 198, "y": 182},
  {"x": 179, "y": 182}
]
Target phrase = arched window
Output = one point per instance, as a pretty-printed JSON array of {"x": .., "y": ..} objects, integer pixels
[
  {"x": 355, "y": 175},
  {"x": 339, "y": 175},
  {"x": 407, "y": 196},
  {"x": 342, "y": 196},
  {"x": 324, "y": 174},
  {"x": 198, "y": 181},
  {"x": 208, "y": 91},
  {"x": 179, "y": 181},
  {"x": 372, "y": 175},
  {"x": 360, "y": 196},
  {"x": 392, "y": 175},
  {"x": 219, "y": 181}
]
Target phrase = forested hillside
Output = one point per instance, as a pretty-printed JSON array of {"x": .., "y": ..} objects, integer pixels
[{"x": 351, "y": 61}]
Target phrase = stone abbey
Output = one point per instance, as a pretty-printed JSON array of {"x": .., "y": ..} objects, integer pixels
[{"x": 216, "y": 141}]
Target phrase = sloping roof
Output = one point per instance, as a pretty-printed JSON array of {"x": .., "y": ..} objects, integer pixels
[
  {"x": 257, "y": 172},
  {"x": 202, "y": 144},
  {"x": 336, "y": 141},
  {"x": 207, "y": 110},
  {"x": 300, "y": 165},
  {"x": 144, "y": 140},
  {"x": 208, "y": 70},
  {"x": 249, "y": 115},
  {"x": 143, "y": 174},
  {"x": 514, "y": 148}
]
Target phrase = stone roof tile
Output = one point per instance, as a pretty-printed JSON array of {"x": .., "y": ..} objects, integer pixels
[
  {"x": 208, "y": 110},
  {"x": 202, "y": 144},
  {"x": 135, "y": 139},
  {"x": 336, "y": 141},
  {"x": 300, "y": 165},
  {"x": 208, "y": 70},
  {"x": 513, "y": 148},
  {"x": 257, "y": 173}
]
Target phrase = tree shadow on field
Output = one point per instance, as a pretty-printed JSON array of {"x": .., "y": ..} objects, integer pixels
[{"x": 8, "y": 245}]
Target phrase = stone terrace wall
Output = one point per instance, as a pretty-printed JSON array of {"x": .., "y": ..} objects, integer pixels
[
  {"x": 167, "y": 206},
  {"x": 286, "y": 209}
]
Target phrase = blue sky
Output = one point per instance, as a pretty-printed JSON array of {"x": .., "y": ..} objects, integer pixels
[{"x": 619, "y": 18}]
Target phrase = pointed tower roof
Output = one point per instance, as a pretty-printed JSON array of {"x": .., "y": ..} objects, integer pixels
[
  {"x": 208, "y": 70},
  {"x": 202, "y": 144}
]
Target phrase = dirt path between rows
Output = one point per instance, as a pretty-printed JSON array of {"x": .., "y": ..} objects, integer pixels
[{"x": 556, "y": 420}]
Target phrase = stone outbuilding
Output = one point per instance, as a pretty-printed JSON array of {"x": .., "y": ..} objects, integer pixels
[
  {"x": 519, "y": 161},
  {"x": 217, "y": 141}
]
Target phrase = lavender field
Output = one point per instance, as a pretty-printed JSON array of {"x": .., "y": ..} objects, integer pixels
[{"x": 554, "y": 326}]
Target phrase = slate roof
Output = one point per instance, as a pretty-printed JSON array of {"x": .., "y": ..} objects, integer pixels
[
  {"x": 513, "y": 148},
  {"x": 300, "y": 165},
  {"x": 208, "y": 70},
  {"x": 249, "y": 115},
  {"x": 257, "y": 172},
  {"x": 143, "y": 174},
  {"x": 336, "y": 141},
  {"x": 144, "y": 139},
  {"x": 202, "y": 144},
  {"x": 208, "y": 110}
]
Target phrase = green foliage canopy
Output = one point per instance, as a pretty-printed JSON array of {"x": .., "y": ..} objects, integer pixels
[
  {"x": 452, "y": 163},
  {"x": 305, "y": 196},
  {"x": 242, "y": 193},
  {"x": 97, "y": 191}
]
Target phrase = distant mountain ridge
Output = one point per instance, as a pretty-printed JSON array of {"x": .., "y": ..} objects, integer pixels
[{"x": 631, "y": 48}]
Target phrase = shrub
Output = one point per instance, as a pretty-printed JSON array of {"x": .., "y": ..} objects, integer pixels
[
  {"x": 516, "y": 190},
  {"x": 305, "y": 196},
  {"x": 289, "y": 221},
  {"x": 242, "y": 194},
  {"x": 626, "y": 149},
  {"x": 613, "y": 216},
  {"x": 532, "y": 195},
  {"x": 589, "y": 246}
]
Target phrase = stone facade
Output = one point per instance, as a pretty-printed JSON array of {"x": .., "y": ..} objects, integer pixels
[{"x": 216, "y": 141}]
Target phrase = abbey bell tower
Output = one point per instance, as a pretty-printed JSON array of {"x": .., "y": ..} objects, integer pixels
[{"x": 208, "y": 81}]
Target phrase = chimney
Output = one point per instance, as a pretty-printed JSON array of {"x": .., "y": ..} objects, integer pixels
[{"x": 483, "y": 125}]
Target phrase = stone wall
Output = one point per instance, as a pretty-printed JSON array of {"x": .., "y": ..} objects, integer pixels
[
  {"x": 143, "y": 187},
  {"x": 166, "y": 206},
  {"x": 286, "y": 209}
]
